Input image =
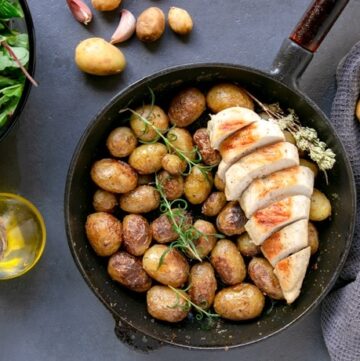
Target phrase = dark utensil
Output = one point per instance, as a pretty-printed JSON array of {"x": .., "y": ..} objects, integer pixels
[
  {"x": 133, "y": 323},
  {"x": 30, "y": 30}
]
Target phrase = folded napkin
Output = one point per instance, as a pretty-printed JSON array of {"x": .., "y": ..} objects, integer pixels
[{"x": 341, "y": 308}]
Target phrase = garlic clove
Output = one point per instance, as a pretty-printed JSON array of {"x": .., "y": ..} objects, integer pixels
[
  {"x": 125, "y": 29},
  {"x": 80, "y": 10}
]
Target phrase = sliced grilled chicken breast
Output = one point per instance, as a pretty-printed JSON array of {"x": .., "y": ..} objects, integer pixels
[
  {"x": 227, "y": 122},
  {"x": 288, "y": 240},
  {"x": 271, "y": 219},
  {"x": 281, "y": 184},
  {"x": 291, "y": 272},
  {"x": 260, "y": 163}
]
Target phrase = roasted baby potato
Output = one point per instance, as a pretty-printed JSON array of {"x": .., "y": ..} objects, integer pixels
[
  {"x": 198, "y": 185},
  {"x": 219, "y": 183},
  {"x": 313, "y": 238},
  {"x": 121, "y": 142},
  {"x": 166, "y": 305},
  {"x": 173, "y": 164},
  {"x": 203, "y": 285},
  {"x": 209, "y": 155},
  {"x": 166, "y": 266},
  {"x": 228, "y": 262},
  {"x": 289, "y": 137},
  {"x": 172, "y": 185},
  {"x": 186, "y": 107},
  {"x": 104, "y": 233},
  {"x": 206, "y": 242},
  {"x": 127, "y": 270},
  {"x": 182, "y": 140},
  {"x": 261, "y": 273},
  {"x": 104, "y": 201},
  {"x": 231, "y": 220},
  {"x": 146, "y": 158},
  {"x": 155, "y": 115},
  {"x": 142, "y": 199},
  {"x": 136, "y": 234},
  {"x": 311, "y": 165},
  {"x": 246, "y": 246},
  {"x": 114, "y": 176},
  {"x": 214, "y": 204},
  {"x": 320, "y": 207},
  {"x": 150, "y": 24},
  {"x": 227, "y": 95},
  {"x": 105, "y": 5},
  {"x": 238, "y": 303}
]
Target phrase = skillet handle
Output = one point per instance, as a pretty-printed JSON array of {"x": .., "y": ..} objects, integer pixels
[{"x": 297, "y": 51}]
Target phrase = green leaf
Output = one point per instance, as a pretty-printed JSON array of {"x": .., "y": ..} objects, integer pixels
[
  {"x": 18, "y": 40},
  {"x": 6, "y": 61},
  {"x": 6, "y": 81},
  {"x": 10, "y": 10}
]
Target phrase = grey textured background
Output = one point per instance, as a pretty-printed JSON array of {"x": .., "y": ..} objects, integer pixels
[{"x": 50, "y": 314}]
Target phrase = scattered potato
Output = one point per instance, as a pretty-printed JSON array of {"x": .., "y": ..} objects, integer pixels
[
  {"x": 150, "y": 25},
  {"x": 146, "y": 158},
  {"x": 231, "y": 220},
  {"x": 204, "y": 244},
  {"x": 172, "y": 185},
  {"x": 104, "y": 201},
  {"x": 311, "y": 165},
  {"x": 357, "y": 111},
  {"x": 209, "y": 155},
  {"x": 182, "y": 140},
  {"x": 219, "y": 183},
  {"x": 121, "y": 142},
  {"x": 186, "y": 107},
  {"x": 104, "y": 233},
  {"x": 173, "y": 164},
  {"x": 142, "y": 199},
  {"x": 106, "y": 5},
  {"x": 320, "y": 207},
  {"x": 246, "y": 246},
  {"x": 180, "y": 21},
  {"x": 197, "y": 186},
  {"x": 213, "y": 204},
  {"x": 98, "y": 57},
  {"x": 289, "y": 137},
  {"x": 313, "y": 238}
]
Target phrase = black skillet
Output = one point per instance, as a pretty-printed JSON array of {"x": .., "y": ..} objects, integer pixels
[{"x": 133, "y": 323}]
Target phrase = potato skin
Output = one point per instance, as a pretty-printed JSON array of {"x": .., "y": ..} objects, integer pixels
[
  {"x": 105, "y": 5},
  {"x": 160, "y": 302},
  {"x": 202, "y": 285},
  {"x": 246, "y": 246},
  {"x": 204, "y": 244},
  {"x": 219, "y": 183},
  {"x": 209, "y": 155},
  {"x": 311, "y": 165},
  {"x": 127, "y": 270},
  {"x": 104, "y": 233},
  {"x": 146, "y": 159},
  {"x": 173, "y": 269},
  {"x": 121, "y": 142},
  {"x": 114, "y": 176},
  {"x": 104, "y": 201},
  {"x": 197, "y": 186},
  {"x": 142, "y": 199},
  {"x": 320, "y": 207},
  {"x": 150, "y": 24},
  {"x": 186, "y": 107},
  {"x": 153, "y": 114},
  {"x": 239, "y": 303},
  {"x": 136, "y": 234},
  {"x": 228, "y": 262},
  {"x": 173, "y": 164},
  {"x": 261, "y": 273},
  {"x": 180, "y": 21},
  {"x": 226, "y": 95},
  {"x": 173, "y": 185},
  {"x": 313, "y": 238},
  {"x": 231, "y": 220},
  {"x": 214, "y": 204},
  {"x": 182, "y": 140}
]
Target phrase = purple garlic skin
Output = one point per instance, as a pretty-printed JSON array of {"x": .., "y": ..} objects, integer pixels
[
  {"x": 125, "y": 29},
  {"x": 80, "y": 10}
]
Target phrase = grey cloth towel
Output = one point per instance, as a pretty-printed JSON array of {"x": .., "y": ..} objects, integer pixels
[{"x": 341, "y": 308}]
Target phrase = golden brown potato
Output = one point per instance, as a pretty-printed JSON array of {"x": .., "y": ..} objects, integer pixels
[
  {"x": 173, "y": 164},
  {"x": 121, "y": 142},
  {"x": 136, "y": 234},
  {"x": 181, "y": 140},
  {"x": 209, "y": 155},
  {"x": 214, "y": 204},
  {"x": 114, "y": 176},
  {"x": 180, "y": 21},
  {"x": 246, "y": 246},
  {"x": 165, "y": 265},
  {"x": 228, "y": 262},
  {"x": 155, "y": 115},
  {"x": 311, "y": 165},
  {"x": 104, "y": 201},
  {"x": 227, "y": 95},
  {"x": 204, "y": 243},
  {"x": 142, "y": 199},
  {"x": 240, "y": 302},
  {"x": 105, "y": 5},
  {"x": 203, "y": 285},
  {"x": 127, "y": 270},
  {"x": 166, "y": 305},
  {"x": 289, "y": 137},
  {"x": 231, "y": 220},
  {"x": 262, "y": 274},
  {"x": 320, "y": 207},
  {"x": 104, "y": 233},
  {"x": 198, "y": 185},
  {"x": 219, "y": 183},
  {"x": 172, "y": 185},
  {"x": 150, "y": 24},
  {"x": 145, "y": 179},
  {"x": 186, "y": 107},
  {"x": 313, "y": 238},
  {"x": 146, "y": 158}
]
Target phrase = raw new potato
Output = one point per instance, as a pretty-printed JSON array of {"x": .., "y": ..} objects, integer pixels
[
  {"x": 320, "y": 206},
  {"x": 180, "y": 21},
  {"x": 98, "y": 57},
  {"x": 150, "y": 25},
  {"x": 106, "y": 5},
  {"x": 142, "y": 199}
]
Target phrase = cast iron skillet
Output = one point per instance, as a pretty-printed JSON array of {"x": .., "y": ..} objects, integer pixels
[{"x": 133, "y": 324}]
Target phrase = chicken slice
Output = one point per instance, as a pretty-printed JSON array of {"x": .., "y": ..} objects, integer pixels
[
  {"x": 281, "y": 184},
  {"x": 288, "y": 240},
  {"x": 291, "y": 272},
  {"x": 227, "y": 122},
  {"x": 260, "y": 163},
  {"x": 271, "y": 219}
]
